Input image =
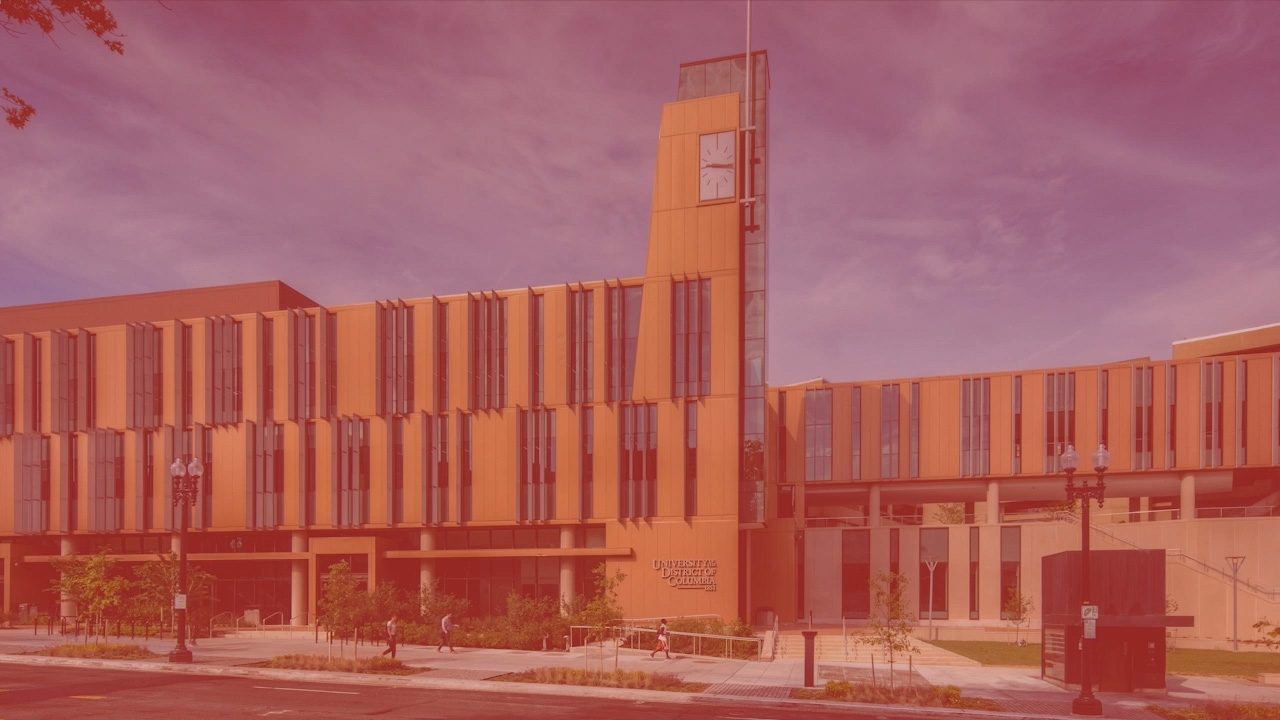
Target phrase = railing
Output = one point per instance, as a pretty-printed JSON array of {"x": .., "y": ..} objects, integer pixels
[
  {"x": 773, "y": 654},
  {"x": 262, "y": 626},
  {"x": 693, "y": 643},
  {"x": 1262, "y": 591},
  {"x": 655, "y": 620},
  {"x": 213, "y": 620},
  {"x": 1239, "y": 512}
]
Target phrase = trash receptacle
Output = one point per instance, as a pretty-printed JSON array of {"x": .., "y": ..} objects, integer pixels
[
  {"x": 253, "y": 617},
  {"x": 764, "y": 617}
]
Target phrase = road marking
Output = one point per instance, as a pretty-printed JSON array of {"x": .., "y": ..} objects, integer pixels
[
  {"x": 274, "y": 712},
  {"x": 89, "y": 697},
  {"x": 736, "y": 717},
  {"x": 331, "y": 692}
]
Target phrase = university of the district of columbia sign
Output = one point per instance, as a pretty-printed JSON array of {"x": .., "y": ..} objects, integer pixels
[{"x": 688, "y": 574}]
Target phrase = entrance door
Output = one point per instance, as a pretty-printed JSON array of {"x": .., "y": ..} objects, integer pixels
[{"x": 1115, "y": 664}]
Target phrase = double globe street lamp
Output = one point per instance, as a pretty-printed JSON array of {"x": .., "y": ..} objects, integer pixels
[
  {"x": 186, "y": 484},
  {"x": 1086, "y": 703}
]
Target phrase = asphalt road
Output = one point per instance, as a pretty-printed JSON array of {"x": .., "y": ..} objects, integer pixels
[{"x": 58, "y": 693}]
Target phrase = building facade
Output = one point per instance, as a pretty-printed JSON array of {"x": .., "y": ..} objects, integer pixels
[{"x": 513, "y": 440}]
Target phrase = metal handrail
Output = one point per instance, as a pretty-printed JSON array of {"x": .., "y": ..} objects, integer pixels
[
  {"x": 262, "y": 626},
  {"x": 623, "y": 631},
  {"x": 773, "y": 655},
  {"x": 706, "y": 616},
  {"x": 1246, "y": 511},
  {"x": 1264, "y": 592},
  {"x": 213, "y": 619}
]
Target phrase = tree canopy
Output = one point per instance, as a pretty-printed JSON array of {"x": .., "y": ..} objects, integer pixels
[{"x": 47, "y": 16}]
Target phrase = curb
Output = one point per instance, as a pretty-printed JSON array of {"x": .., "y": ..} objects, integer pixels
[{"x": 428, "y": 683}]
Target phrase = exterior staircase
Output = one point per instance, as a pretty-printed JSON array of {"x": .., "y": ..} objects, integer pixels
[{"x": 830, "y": 647}]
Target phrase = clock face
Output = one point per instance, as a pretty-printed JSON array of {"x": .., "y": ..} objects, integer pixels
[{"x": 717, "y": 165}]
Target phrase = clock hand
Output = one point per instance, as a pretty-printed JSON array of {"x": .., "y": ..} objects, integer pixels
[{"x": 717, "y": 165}]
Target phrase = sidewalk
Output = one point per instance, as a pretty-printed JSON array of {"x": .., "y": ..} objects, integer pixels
[{"x": 1019, "y": 690}]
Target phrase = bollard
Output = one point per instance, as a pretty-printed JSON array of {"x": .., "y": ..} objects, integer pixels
[{"x": 808, "y": 656}]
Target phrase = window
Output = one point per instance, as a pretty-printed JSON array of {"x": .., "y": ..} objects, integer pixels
[
  {"x": 187, "y": 388},
  {"x": 310, "y": 471},
  {"x": 442, "y": 358},
  {"x": 73, "y": 384},
  {"x": 1211, "y": 395},
  {"x": 975, "y": 427},
  {"x": 973, "y": 573},
  {"x": 691, "y": 338},
  {"x": 309, "y": 343},
  {"x": 1017, "y": 424},
  {"x": 395, "y": 325},
  {"x": 691, "y": 459},
  {"x": 157, "y": 377},
  {"x": 397, "y": 469},
  {"x": 73, "y": 486},
  {"x": 440, "y": 480},
  {"x": 786, "y": 501},
  {"x": 1060, "y": 417},
  {"x": 889, "y": 439},
  {"x": 276, "y": 502},
  {"x": 582, "y": 333},
  {"x": 624, "y": 330},
  {"x": 46, "y": 482},
  {"x": 8, "y": 403},
  {"x": 855, "y": 574},
  {"x": 856, "y": 440},
  {"x": 1171, "y": 395},
  {"x": 537, "y": 354},
  {"x": 1104, "y": 411},
  {"x": 365, "y": 478},
  {"x": 268, "y": 369},
  {"x": 1010, "y": 566},
  {"x": 148, "y": 477},
  {"x": 782, "y": 437},
  {"x": 331, "y": 358},
  {"x": 914, "y": 464},
  {"x": 638, "y": 476},
  {"x": 206, "y": 482},
  {"x": 37, "y": 373},
  {"x": 1143, "y": 418},
  {"x": 488, "y": 352},
  {"x": 817, "y": 435},
  {"x": 237, "y": 372},
  {"x": 1242, "y": 393},
  {"x": 536, "y": 478},
  {"x": 587, "y": 463},
  {"x": 933, "y": 548},
  {"x": 464, "y": 468}
]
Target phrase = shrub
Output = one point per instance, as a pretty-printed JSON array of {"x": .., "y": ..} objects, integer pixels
[
  {"x": 376, "y": 665},
  {"x": 1219, "y": 711},
  {"x": 99, "y": 650},
  {"x": 948, "y": 697},
  {"x": 631, "y": 679}
]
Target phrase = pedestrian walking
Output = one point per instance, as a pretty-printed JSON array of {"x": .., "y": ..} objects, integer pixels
[
  {"x": 446, "y": 627},
  {"x": 391, "y": 637},
  {"x": 664, "y": 640}
]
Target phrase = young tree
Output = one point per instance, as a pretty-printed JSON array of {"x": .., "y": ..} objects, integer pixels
[
  {"x": 889, "y": 627},
  {"x": 92, "y": 582},
  {"x": 1017, "y": 611},
  {"x": 343, "y": 602},
  {"x": 950, "y": 514},
  {"x": 1268, "y": 633},
  {"x": 47, "y": 16},
  {"x": 156, "y": 582},
  {"x": 603, "y": 610}
]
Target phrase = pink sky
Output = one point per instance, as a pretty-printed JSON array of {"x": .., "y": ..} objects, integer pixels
[{"x": 954, "y": 187}]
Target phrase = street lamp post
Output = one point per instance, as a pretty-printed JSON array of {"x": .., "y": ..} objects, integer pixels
[
  {"x": 186, "y": 483},
  {"x": 1236, "y": 561},
  {"x": 1086, "y": 703}
]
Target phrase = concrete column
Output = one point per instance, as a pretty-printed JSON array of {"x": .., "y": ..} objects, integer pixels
[
  {"x": 68, "y": 606},
  {"x": 298, "y": 574},
  {"x": 427, "y": 567},
  {"x": 568, "y": 567},
  {"x": 873, "y": 505},
  {"x": 993, "y": 502},
  {"x": 1144, "y": 509},
  {"x": 1188, "y": 505}
]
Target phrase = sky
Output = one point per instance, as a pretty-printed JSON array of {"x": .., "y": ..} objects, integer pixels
[{"x": 954, "y": 187}]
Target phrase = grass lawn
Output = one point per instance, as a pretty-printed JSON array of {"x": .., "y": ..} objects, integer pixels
[
  {"x": 633, "y": 679},
  {"x": 993, "y": 653},
  {"x": 1178, "y": 662},
  {"x": 100, "y": 651},
  {"x": 1222, "y": 662}
]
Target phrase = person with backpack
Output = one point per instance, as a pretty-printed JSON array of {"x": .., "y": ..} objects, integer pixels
[{"x": 664, "y": 640}]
